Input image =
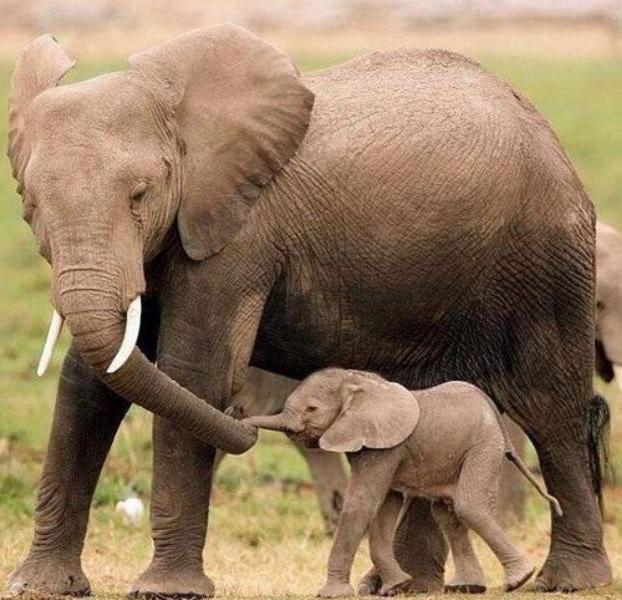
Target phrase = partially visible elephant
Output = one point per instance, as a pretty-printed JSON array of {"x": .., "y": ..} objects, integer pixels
[
  {"x": 447, "y": 442},
  {"x": 608, "y": 303},
  {"x": 209, "y": 208},
  {"x": 265, "y": 393}
]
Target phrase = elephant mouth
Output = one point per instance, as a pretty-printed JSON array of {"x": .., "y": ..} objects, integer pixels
[
  {"x": 307, "y": 441},
  {"x": 108, "y": 344},
  {"x": 130, "y": 338}
]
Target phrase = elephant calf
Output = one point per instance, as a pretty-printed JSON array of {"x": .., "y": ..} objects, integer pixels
[{"x": 445, "y": 443}]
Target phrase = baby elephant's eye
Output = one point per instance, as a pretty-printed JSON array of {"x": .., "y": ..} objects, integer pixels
[
  {"x": 139, "y": 191},
  {"x": 312, "y": 408}
]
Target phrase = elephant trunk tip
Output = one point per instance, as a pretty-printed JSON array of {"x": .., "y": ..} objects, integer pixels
[{"x": 283, "y": 421}]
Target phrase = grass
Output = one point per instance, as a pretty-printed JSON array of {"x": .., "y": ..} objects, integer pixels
[{"x": 266, "y": 536}]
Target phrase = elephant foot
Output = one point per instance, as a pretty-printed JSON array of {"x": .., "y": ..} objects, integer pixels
[
  {"x": 465, "y": 588},
  {"x": 517, "y": 576},
  {"x": 49, "y": 577},
  {"x": 395, "y": 589},
  {"x": 574, "y": 573},
  {"x": 420, "y": 585},
  {"x": 160, "y": 584},
  {"x": 370, "y": 583},
  {"x": 336, "y": 589},
  {"x": 465, "y": 584}
]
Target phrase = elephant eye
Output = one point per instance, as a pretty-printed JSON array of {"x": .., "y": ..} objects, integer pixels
[
  {"x": 139, "y": 191},
  {"x": 312, "y": 408},
  {"x": 599, "y": 305}
]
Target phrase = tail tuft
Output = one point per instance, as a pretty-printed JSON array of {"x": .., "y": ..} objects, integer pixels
[{"x": 599, "y": 421}]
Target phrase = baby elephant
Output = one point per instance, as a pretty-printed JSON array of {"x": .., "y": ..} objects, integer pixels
[{"x": 445, "y": 443}]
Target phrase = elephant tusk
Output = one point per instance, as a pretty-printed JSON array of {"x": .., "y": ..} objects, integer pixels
[
  {"x": 617, "y": 372},
  {"x": 130, "y": 337},
  {"x": 56, "y": 324}
]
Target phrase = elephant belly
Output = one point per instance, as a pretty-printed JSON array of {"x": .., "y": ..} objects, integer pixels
[
  {"x": 416, "y": 478},
  {"x": 413, "y": 249}
]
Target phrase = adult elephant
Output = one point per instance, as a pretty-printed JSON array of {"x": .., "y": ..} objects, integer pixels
[
  {"x": 609, "y": 303},
  {"x": 428, "y": 227}
]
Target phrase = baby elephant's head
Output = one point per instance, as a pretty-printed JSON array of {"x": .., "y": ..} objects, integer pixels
[{"x": 344, "y": 410}]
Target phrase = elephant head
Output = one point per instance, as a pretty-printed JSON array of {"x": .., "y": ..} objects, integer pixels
[
  {"x": 186, "y": 138},
  {"x": 343, "y": 411},
  {"x": 608, "y": 303}
]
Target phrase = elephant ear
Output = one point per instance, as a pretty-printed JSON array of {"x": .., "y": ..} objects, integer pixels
[
  {"x": 40, "y": 65},
  {"x": 241, "y": 111},
  {"x": 375, "y": 414}
]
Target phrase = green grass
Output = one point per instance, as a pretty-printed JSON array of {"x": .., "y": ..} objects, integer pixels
[{"x": 264, "y": 514}]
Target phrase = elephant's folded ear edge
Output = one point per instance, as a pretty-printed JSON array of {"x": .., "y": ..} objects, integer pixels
[
  {"x": 40, "y": 65},
  {"x": 242, "y": 111}
]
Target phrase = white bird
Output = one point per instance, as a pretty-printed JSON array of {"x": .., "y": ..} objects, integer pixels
[{"x": 132, "y": 510}]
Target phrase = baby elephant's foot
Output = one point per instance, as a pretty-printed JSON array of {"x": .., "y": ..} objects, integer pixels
[
  {"x": 336, "y": 589},
  {"x": 465, "y": 588},
  {"x": 370, "y": 583},
  {"x": 394, "y": 589},
  {"x": 467, "y": 583},
  {"x": 517, "y": 575}
]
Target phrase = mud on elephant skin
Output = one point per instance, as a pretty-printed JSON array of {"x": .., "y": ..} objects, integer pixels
[
  {"x": 295, "y": 222},
  {"x": 447, "y": 443}
]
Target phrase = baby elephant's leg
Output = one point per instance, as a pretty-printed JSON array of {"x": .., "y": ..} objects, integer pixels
[
  {"x": 475, "y": 504},
  {"x": 469, "y": 577},
  {"x": 372, "y": 474},
  {"x": 381, "y": 530}
]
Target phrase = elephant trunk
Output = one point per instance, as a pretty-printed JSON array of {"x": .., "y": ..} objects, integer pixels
[
  {"x": 97, "y": 325},
  {"x": 286, "y": 421}
]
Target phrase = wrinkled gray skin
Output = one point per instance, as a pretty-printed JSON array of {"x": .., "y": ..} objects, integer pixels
[
  {"x": 446, "y": 443},
  {"x": 608, "y": 303},
  {"x": 405, "y": 212},
  {"x": 265, "y": 393}
]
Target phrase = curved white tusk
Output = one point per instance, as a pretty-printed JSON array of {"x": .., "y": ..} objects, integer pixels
[
  {"x": 56, "y": 324},
  {"x": 130, "y": 337},
  {"x": 617, "y": 372}
]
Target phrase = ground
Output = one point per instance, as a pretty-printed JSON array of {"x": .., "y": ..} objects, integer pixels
[{"x": 266, "y": 536}]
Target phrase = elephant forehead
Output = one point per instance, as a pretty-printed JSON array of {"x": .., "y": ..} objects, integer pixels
[{"x": 110, "y": 104}]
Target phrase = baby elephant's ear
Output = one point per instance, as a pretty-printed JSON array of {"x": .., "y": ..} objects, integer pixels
[{"x": 375, "y": 414}]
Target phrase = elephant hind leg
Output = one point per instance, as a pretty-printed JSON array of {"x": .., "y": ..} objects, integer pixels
[
  {"x": 381, "y": 531},
  {"x": 468, "y": 576},
  {"x": 475, "y": 505},
  {"x": 577, "y": 558},
  {"x": 420, "y": 547}
]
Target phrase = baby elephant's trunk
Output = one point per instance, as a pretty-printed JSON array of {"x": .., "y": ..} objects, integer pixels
[
  {"x": 286, "y": 421},
  {"x": 520, "y": 465}
]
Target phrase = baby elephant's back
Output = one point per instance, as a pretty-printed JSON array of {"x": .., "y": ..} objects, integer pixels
[{"x": 457, "y": 415}]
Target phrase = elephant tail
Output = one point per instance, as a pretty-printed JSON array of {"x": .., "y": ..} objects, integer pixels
[
  {"x": 599, "y": 421},
  {"x": 520, "y": 465}
]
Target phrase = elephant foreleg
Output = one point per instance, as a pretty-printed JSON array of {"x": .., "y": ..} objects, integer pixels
[
  {"x": 207, "y": 356},
  {"x": 86, "y": 418},
  {"x": 179, "y": 510}
]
